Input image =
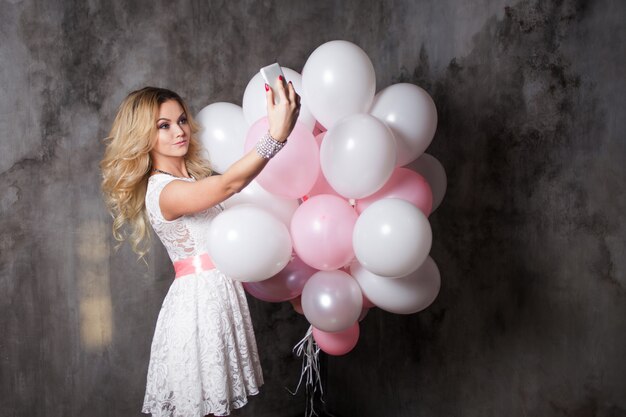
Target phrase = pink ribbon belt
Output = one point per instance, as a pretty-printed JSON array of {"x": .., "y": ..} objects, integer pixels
[{"x": 193, "y": 265}]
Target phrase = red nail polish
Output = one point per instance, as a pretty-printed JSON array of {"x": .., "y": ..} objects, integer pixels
[
  {"x": 267, "y": 87},
  {"x": 280, "y": 77}
]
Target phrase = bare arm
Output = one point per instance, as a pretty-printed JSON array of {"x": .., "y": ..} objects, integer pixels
[{"x": 179, "y": 197}]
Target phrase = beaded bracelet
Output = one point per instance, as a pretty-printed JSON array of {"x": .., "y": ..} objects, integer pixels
[{"x": 267, "y": 146}]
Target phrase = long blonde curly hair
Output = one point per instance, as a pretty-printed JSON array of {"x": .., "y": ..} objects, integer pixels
[{"x": 126, "y": 165}]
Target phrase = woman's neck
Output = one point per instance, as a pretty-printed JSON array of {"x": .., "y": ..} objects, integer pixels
[{"x": 172, "y": 166}]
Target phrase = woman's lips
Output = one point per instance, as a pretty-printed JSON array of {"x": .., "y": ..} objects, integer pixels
[{"x": 182, "y": 142}]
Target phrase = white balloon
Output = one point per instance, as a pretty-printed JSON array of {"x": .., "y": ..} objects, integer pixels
[
  {"x": 405, "y": 295},
  {"x": 338, "y": 80},
  {"x": 411, "y": 114},
  {"x": 358, "y": 155},
  {"x": 392, "y": 237},
  {"x": 249, "y": 244},
  {"x": 223, "y": 134},
  {"x": 332, "y": 300},
  {"x": 431, "y": 169},
  {"x": 282, "y": 208},
  {"x": 255, "y": 104}
]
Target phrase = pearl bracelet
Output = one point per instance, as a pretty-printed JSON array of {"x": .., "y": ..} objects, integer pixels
[{"x": 267, "y": 146}]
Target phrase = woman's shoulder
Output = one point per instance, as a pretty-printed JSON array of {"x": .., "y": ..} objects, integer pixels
[
  {"x": 157, "y": 182},
  {"x": 162, "y": 179}
]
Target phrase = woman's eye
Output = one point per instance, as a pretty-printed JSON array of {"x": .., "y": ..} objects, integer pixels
[
  {"x": 182, "y": 121},
  {"x": 164, "y": 126}
]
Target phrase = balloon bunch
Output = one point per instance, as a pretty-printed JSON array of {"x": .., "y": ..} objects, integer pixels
[{"x": 335, "y": 223}]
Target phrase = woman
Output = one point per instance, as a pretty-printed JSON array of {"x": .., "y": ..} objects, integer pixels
[{"x": 204, "y": 357}]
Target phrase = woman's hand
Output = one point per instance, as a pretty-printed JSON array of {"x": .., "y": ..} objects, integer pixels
[{"x": 282, "y": 116}]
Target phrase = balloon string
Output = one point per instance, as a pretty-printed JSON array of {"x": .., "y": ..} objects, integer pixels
[{"x": 310, "y": 371}]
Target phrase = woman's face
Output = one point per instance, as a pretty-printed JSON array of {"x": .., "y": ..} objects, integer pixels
[{"x": 173, "y": 132}]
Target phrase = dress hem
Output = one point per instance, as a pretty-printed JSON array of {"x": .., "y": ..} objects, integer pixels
[{"x": 235, "y": 405}]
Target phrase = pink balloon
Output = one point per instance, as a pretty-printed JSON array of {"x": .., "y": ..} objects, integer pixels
[
  {"x": 293, "y": 171},
  {"x": 285, "y": 285},
  {"x": 319, "y": 138},
  {"x": 321, "y": 185},
  {"x": 318, "y": 128},
  {"x": 338, "y": 343},
  {"x": 405, "y": 184},
  {"x": 321, "y": 231}
]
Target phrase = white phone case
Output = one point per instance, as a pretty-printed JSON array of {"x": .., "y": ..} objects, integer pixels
[{"x": 270, "y": 75}]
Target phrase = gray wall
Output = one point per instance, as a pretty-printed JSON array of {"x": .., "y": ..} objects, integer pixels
[{"x": 530, "y": 239}]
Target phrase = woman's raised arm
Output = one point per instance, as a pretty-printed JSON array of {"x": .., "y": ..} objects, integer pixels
[{"x": 180, "y": 197}]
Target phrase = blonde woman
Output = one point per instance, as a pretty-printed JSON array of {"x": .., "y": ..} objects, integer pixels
[{"x": 203, "y": 359}]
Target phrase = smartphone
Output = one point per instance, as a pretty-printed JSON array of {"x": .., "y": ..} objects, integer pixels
[{"x": 270, "y": 75}]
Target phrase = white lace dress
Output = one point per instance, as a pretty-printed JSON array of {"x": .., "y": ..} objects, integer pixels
[{"x": 204, "y": 356}]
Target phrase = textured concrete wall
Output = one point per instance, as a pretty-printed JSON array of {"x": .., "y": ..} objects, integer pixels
[{"x": 530, "y": 239}]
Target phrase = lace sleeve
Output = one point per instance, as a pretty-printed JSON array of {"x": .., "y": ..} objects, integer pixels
[{"x": 156, "y": 183}]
